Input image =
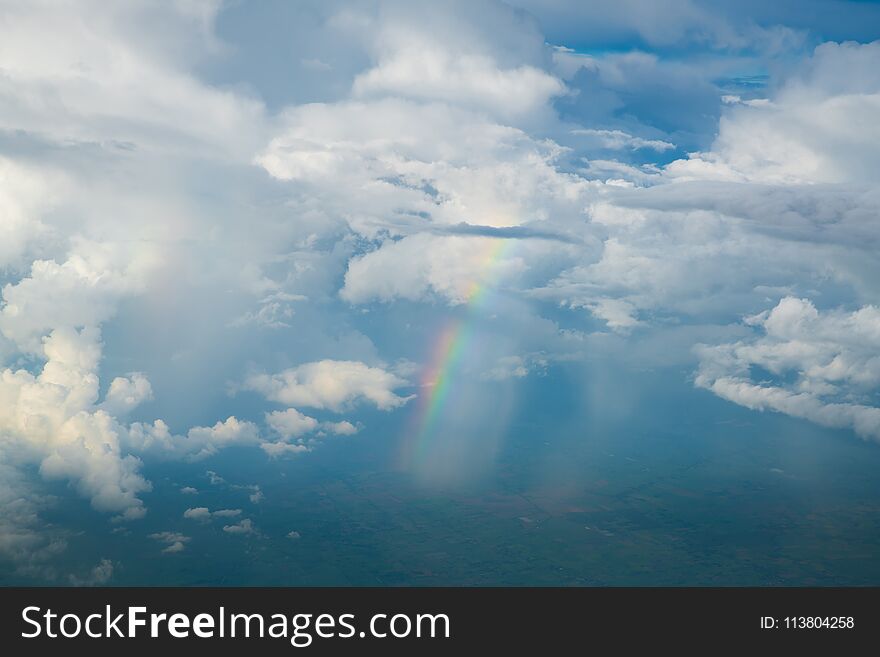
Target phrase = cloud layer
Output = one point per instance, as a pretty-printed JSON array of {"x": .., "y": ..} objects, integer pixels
[{"x": 189, "y": 227}]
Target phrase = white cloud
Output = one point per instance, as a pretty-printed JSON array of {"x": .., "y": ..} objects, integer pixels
[
  {"x": 214, "y": 478},
  {"x": 834, "y": 357},
  {"x": 817, "y": 129},
  {"x": 619, "y": 314},
  {"x": 713, "y": 251},
  {"x": 81, "y": 291},
  {"x": 25, "y": 194},
  {"x": 135, "y": 206},
  {"x": 278, "y": 449},
  {"x": 618, "y": 139},
  {"x": 419, "y": 265},
  {"x": 418, "y": 70},
  {"x": 174, "y": 541},
  {"x": 343, "y": 428},
  {"x": 197, "y": 513},
  {"x": 246, "y": 526},
  {"x": 157, "y": 440},
  {"x": 291, "y": 423},
  {"x": 51, "y": 418},
  {"x": 432, "y": 53},
  {"x": 127, "y": 393},
  {"x": 408, "y": 166},
  {"x": 205, "y": 441},
  {"x": 330, "y": 384},
  {"x": 203, "y": 513},
  {"x": 116, "y": 76}
]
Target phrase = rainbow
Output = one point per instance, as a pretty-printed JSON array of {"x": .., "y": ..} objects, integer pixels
[{"x": 447, "y": 352}]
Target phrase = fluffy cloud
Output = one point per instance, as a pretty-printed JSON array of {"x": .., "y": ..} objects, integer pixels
[
  {"x": 174, "y": 541},
  {"x": 127, "y": 393},
  {"x": 80, "y": 291},
  {"x": 157, "y": 439},
  {"x": 197, "y": 513},
  {"x": 290, "y": 423},
  {"x": 714, "y": 251},
  {"x": 823, "y": 367},
  {"x": 343, "y": 428},
  {"x": 421, "y": 265},
  {"x": 279, "y": 449},
  {"x": 432, "y": 53},
  {"x": 203, "y": 513},
  {"x": 330, "y": 384},
  {"x": 406, "y": 164},
  {"x": 818, "y": 127},
  {"x": 417, "y": 70},
  {"x": 416, "y": 169},
  {"x": 298, "y": 433},
  {"x": 204, "y": 441},
  {"x": 51, "y": 418},
  {"x": 246, "y": 526}
]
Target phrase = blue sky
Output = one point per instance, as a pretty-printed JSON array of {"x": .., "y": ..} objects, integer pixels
[{"x": 262, "y": 227}]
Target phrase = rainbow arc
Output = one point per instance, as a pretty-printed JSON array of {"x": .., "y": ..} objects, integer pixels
[{"x": 448, "y": 352}]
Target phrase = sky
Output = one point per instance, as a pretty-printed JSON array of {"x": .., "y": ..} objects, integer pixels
[{"x": 280, "y": 230}]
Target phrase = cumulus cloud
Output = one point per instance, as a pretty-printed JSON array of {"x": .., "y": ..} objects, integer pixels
[
  {"x": 342, "y": 428},
  {"x": 127, "y": 393},
  {"x": 80, "y": 291},
  {"x": 290, "y": 423},
  {"x": 296, "y": 431},
  {"x": 823, "y": 367},
  {"x": 413, "y": 68},
  {"x": 256, "y": 496},
  {"x": 197, "y": 513},
  {"x": 246, "y": 526},
  {"x": 330, "y": 384},
  {"x": 278, "y": 449},
  {"x": 174, "y": 541},
  {"x": 421, "y": 265},
  {"x": 204, "y": 514},
  {"x": 51, "y": 418},
  {"x": 199, "y": 443},
  {"x": 205, "y": 441},
  {"x": 435, "y": 54},
  {"x": 816, "y": 129},
  {"x": 214, "y": 478}
]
